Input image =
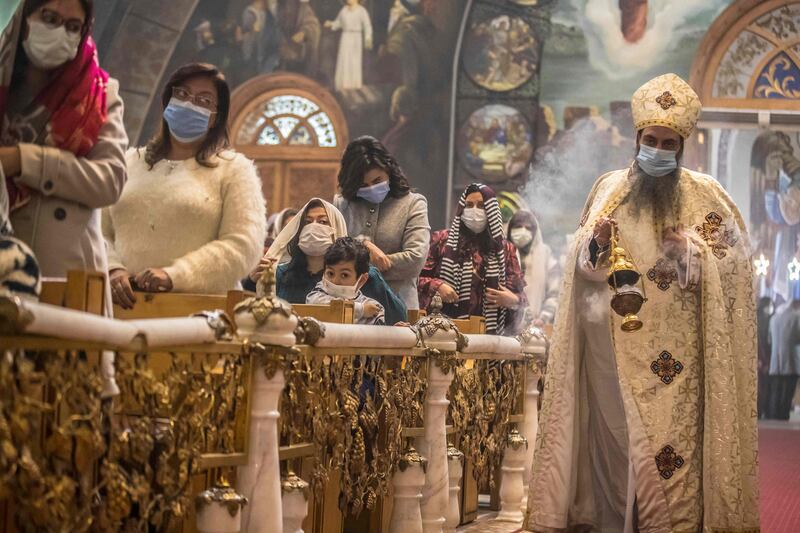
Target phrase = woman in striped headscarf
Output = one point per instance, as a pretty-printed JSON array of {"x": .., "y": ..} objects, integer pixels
[{"x": 473, "y": 267}]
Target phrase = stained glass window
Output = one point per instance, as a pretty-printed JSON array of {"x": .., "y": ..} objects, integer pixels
[{"x": 288, "y": 119}]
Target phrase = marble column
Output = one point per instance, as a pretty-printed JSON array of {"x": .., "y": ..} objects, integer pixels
[
  {"x": 408, "y": 480},
  {"x": 530, "y": 424},
  {"x": 295, "y": 502},
  {"x": 511, "y": 481},
  {"x": 259, "y": 481},
  {"x": 455, "y": 471},
  {"x": 435, "y": 498}
]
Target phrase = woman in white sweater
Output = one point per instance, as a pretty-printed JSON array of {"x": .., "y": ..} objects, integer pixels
[{"x": 191, "y": 217}]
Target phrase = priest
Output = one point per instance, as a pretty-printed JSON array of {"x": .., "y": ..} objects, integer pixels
[{"x": 649, "y": 419}]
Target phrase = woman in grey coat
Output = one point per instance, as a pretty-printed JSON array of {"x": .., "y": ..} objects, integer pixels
[{"x": 381, "y": 211}]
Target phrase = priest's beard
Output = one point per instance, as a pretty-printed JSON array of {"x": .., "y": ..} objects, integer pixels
[{"x": 654, "y": 195}]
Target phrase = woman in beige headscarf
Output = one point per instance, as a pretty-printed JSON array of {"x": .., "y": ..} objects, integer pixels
[
  {"x": 303, "y": 242},
  {"x": 539, "y": 266}
]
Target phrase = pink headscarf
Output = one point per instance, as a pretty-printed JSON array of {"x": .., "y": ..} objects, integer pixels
[{"x": 74, "y": 100}]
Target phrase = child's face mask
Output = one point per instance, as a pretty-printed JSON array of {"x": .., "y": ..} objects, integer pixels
[{"x": 343, "y": 292}]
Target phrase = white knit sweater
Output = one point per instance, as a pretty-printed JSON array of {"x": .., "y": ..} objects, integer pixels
[{"x": 204, "y": 226}]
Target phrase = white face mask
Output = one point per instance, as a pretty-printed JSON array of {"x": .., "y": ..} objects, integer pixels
[
  {"x": 342, "y": 292},
  {"x": 655, "y": 162},
  {"x": 315, "y": 239},
  {"x": 521, "y": 237},
  {"x": 48, "y": 48},
  {"x": 474, "y": 218}
]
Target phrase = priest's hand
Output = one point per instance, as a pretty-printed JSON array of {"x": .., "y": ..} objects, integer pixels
[
  {"x": 121, "y": 290},
  {"x": 674, "y": 242},
  {"x": 448, "y": 293},
  {"x": 154, "y": 280},
  {"x": 602, "y": 231},
  {"x": 502, "y": 298}
]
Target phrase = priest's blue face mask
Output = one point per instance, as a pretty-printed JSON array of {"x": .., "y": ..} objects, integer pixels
[
  {"x": 655, "y": 162},
  {"x": 187, "y": 122},
  {"x": 374, "y": 193}
]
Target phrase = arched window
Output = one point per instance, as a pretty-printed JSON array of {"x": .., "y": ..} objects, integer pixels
[
  {"x": 295, "y": 131},
  {"x": 289, "y": 120},
  {"x": 750, "y": 57}
]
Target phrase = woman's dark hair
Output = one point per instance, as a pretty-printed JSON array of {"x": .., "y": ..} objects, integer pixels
[
  {"x": 216, "y": 139},
  {"x": 21, "y": 59},
  {"x": 87, "y": 5},
  {"x": 361, "y": 156},
  {"x": 348, "y": 249},
  {"x": 299, "y": 263}
]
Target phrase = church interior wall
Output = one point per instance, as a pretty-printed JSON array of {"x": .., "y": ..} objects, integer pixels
[{"x": 590, "y": 65}]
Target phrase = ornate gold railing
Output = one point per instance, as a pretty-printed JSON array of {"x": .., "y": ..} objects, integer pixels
[{"x": 75, "y": 458}]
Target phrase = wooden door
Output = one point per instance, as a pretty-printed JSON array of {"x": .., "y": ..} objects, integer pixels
[{"x": 295, "y": 131}]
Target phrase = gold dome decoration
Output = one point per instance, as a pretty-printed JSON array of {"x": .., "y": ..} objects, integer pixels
[{"x": 666, "y": 101}]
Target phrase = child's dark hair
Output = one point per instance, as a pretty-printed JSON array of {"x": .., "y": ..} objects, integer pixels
[{"x": 348, "y": 249}]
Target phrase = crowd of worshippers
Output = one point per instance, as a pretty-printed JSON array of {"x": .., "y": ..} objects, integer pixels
[{"x": 185, "y": 212}]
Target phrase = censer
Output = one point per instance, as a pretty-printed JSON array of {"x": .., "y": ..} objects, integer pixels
[{"x": 622, "y": 278}]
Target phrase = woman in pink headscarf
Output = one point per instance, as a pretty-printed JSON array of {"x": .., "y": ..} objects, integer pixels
[{"x": 62, "y": 141}]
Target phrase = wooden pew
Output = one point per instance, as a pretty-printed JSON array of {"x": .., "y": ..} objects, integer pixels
[
  {"x": 337, "y": 312},
  {"x": 82, "y": 291},
  {"x": 173, "y": 304}
]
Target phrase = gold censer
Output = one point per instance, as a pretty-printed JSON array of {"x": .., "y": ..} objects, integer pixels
[{"x": 622, "y": 278}]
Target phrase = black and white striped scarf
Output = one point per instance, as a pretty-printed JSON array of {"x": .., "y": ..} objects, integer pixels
[{"x": 457, "y": 267}]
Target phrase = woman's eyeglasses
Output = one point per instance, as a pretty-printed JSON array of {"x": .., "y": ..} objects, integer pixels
[
  {"x": 201, "y": 100},
  {"x": 53, "y": 20}
]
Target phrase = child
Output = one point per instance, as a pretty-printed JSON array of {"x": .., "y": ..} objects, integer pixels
[{"x": 346, "y": 271}]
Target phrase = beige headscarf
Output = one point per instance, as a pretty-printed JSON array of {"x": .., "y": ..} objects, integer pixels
[
  {"x": 278, "y": 251},
  {"x": 535, "y": 263},
  {"x": 276, "y": 222}
]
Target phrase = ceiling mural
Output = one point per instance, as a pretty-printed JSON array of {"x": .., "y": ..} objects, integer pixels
[{"x": 601, "y": 51}]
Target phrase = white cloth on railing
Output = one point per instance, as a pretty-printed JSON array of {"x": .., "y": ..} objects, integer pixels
[
  {"x": 493, "y": 345},
  {"x": 53, "y": 321},
  {"x": 349, "y": 335},
  {"x": 174, "y": 331},
  {"x": 62, "y": 323}
]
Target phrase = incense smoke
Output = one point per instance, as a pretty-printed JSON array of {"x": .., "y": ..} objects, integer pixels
[{"x": 563, "y": 172}]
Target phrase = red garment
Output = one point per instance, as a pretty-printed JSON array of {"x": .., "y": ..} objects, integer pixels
[
  {"x": 429, "y": 281},
  {"x": 634, "y": 19},
  {"x": 75, "y": 101}
]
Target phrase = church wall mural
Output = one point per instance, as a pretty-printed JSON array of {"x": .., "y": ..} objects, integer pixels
[
  {"x": 597, "y": 54},
  {"x": 751, "y": 60},
  {"x": 388, "y": 64},
  {"x": 542, "y": 87}
]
